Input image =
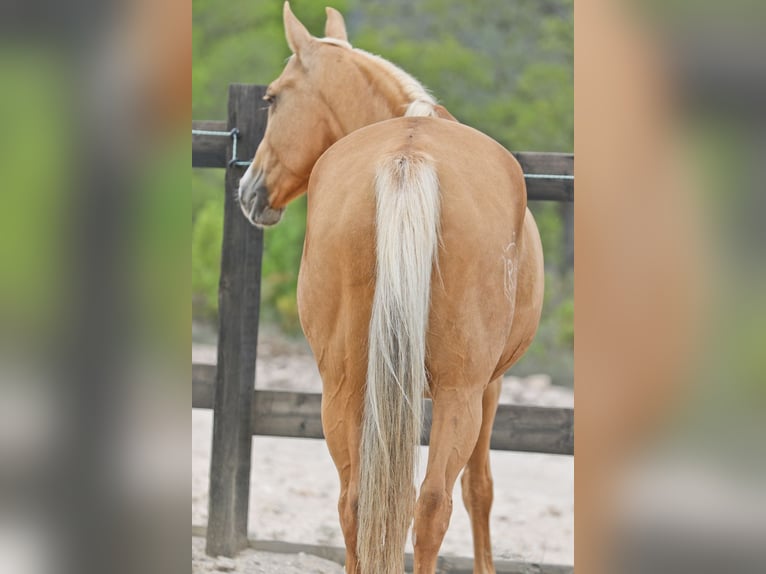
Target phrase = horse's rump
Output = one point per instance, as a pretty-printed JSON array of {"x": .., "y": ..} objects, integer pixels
[
  {"x": 482, "y": 236},
  {"x": 416, "y": 214}
]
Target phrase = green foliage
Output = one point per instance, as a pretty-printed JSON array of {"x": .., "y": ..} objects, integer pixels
[
  {"x": 548, "y": 222},
  {"x": 283, "y": 246},
  {"x": 551, "y": 350},
  {"x": 505, "y": 68},
  {"x": 207, "y": 186},
  {"x": 565, "y": 320},
  {"x": 206, "y": 258}
]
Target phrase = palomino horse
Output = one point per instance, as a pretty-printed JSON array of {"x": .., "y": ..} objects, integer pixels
[{"x": 422, "y": 273}]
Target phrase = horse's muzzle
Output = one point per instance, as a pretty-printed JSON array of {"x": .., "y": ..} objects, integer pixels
[{"x": 253, "y": 199}]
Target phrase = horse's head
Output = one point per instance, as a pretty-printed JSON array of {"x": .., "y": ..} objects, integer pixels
[{"x": 302, "y": 122}]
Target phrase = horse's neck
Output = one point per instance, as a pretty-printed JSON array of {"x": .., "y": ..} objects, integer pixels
[
  {"x": 376, "y": 109},
  {"x": 374, "y": 96},
  {"x": 372, "y": 93}
]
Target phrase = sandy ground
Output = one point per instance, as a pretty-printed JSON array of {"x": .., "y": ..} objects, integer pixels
[
  {"x": 252, "y": 562},
  {"x": 294, "y": 483}
]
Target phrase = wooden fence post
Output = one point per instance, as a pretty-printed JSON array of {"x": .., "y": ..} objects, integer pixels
[{"x": 238, "y": 307}]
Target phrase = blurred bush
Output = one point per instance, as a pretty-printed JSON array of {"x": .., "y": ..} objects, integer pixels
[{"x": 206, "y": 259}]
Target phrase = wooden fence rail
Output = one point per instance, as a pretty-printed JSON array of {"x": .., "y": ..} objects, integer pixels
[
  {"x": 215, "y": 151},
  {"x": 298, "y": 415},
  {"x": 444, "y": 565},
  {"x": 228, "y": 387}
]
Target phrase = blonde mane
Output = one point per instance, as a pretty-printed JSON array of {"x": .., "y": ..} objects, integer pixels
[{"x": 421, "y": 102}]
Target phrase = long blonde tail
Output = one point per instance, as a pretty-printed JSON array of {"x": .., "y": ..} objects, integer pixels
[{"x": 407, "y": 218}]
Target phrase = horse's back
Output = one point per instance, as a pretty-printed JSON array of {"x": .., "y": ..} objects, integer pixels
[{"x": 482, "y": 236}]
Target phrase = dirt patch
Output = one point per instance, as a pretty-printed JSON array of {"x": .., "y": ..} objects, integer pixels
[{"x": 255, "y": 562}]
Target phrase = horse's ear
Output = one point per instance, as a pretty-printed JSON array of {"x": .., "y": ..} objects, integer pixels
[
  {"x": 295, "y": 32},
  {"x": 335, "y": 26}
]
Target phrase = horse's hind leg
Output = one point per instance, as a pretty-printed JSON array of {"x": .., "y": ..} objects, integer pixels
[
  {"x": 341, "y": 421},
  {"x": 476, "y": 484},
  {"x": 457, "y": 415}
]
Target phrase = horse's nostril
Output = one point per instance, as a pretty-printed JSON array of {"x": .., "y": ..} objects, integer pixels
[{"x": 251, "y": 211}]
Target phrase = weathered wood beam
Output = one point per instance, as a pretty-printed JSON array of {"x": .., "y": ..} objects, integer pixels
[
  {"x": 544, "y": 163},
  {"x": 212, "y": 151},
  {"x": 445, "y": 565},
  {"x": 209, "y": 150},
  {"x": 298, "y": 415}
]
